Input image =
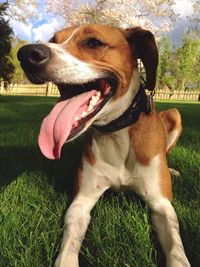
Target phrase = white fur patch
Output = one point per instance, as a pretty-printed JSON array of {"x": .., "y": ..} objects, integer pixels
[
  {"x": 147, "y": 182},
  {"x": 69, "y": 69},
  {"x": 166, "y": 224}
]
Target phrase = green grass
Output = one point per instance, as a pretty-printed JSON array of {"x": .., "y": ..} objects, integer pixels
[{"x": 33, "y": 201}]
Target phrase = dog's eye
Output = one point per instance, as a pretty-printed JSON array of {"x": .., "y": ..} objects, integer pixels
[
  {"x": 93, "y": 43},
  {"x": 52, "y": 40}
]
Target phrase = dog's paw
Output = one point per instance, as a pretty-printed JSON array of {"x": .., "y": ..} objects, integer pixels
[
  {"x": 178, "y": 260},
  {"x": 174, "y": 172},
  {"x": 66, "y": 261}
]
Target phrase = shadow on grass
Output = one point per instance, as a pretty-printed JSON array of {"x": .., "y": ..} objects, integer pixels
[{"x": 60, "y": 173}]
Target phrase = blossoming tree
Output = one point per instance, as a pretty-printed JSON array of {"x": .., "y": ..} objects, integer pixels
[
  {"x": 195, "y": 17},
  {"x": 22, "y": 10},
  {"x": 151, "y": 14}
]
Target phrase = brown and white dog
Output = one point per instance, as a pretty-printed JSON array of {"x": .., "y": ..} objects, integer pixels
[{"x": 96, "y": 70}]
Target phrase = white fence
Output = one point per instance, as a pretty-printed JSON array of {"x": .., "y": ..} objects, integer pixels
[
  {"x": 50, "y": 89},
  {"x": 189, "y": 95},
  {"x": 47, "y": 89}
]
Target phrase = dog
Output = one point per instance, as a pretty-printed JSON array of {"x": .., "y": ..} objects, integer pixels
[{"x": 96, "y": 70}]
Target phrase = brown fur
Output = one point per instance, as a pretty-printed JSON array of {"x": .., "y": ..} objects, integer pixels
[
  {"x": 78, "y": 180},
  {"x": 117, "y": 55},
  {"x": 165, "y": 179},
  {"x": 172, "y": 120},
  {"x": 147, "y": 137},
  {"x": 133, "y": 157},
  {"x": 88, "y": 152},
  {"x": 62, "y": 35}
]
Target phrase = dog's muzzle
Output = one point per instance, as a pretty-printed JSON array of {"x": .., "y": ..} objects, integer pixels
[{"x": 34, "y": 56}]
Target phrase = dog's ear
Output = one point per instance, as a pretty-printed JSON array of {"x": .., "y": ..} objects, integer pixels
[{"x": 144, "y": 47}]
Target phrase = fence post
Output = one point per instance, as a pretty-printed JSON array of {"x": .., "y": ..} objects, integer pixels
[
  {"x": 48, "y": 89},
  {"x": 1, "y": 87}
]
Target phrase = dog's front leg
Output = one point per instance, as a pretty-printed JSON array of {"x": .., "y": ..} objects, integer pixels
[
  {"x": 166, "y": 225},
  {"x": 91, "y": 187},
  {"x": 154, "y": 186}
]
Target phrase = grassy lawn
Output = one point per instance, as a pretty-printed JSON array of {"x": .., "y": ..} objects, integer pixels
[{"x": 35, "y": 193}]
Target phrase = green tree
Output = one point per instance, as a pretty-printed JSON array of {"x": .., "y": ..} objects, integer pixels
[
  {"x": 175, "y": 69},
  {"x": 188, "y": 56},
  {"x": 18, "y": 76},
  {"x": 179, "y": 68},
  {"x": 6, "y": 66},
  {"x": 164, "y": 67},
  {"x": 195, "y": 77}
]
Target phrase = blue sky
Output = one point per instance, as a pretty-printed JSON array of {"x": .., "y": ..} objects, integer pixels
[
  {"x": 43, "y": 27},
  {"x": 40, "y": 28}
]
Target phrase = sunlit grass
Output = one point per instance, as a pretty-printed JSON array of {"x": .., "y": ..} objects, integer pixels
[{"x": 32, "y": 202}]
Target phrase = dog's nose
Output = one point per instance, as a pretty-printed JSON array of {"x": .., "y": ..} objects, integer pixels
[{"x": 35, "y": 55}]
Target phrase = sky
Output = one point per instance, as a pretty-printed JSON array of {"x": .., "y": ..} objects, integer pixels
[
  {"x": 183, "y": 8},
  {"x": 46, "y": 24},
  {"x": 39, "y": 28}
]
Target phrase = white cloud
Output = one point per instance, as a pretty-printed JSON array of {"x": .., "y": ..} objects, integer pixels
[
  {"x": 21, "y": 29},
  {"x": 36, "y": 28},
  {"x": 45, "y": 31},
  {"x": 183, "y": 7}
]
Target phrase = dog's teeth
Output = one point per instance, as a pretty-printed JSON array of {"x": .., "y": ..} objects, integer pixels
[
  {"x": 90, "y": 107},
  {"x": 76, "y": 118},
  {"x": 98, "y": 94},
  {"x": 94, "y": 100},
  {"x": 83, "y": 114}
]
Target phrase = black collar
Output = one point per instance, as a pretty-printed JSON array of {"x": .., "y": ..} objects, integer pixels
[{"x": 141, "y": 103}]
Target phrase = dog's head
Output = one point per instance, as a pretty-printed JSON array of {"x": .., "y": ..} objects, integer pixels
[{"x": 95, "y": 69}]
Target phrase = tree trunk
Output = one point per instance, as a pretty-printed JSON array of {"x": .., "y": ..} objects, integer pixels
[{"x": 183, "y": 84}]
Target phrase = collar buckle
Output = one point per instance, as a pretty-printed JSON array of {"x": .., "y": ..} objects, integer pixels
[{"x": 150, "y": 103}]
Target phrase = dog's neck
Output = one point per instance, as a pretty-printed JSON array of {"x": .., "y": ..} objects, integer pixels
[
  {"x": 131, "y": 115},
  {"x": 140, "y": 103},
  {"x": 119, "y": 106}
]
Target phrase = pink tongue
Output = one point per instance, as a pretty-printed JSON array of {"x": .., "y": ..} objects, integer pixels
[{"x": 56, "y": 127}]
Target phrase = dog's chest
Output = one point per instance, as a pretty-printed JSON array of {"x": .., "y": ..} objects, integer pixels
[{"x": 115, "y": 158}]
